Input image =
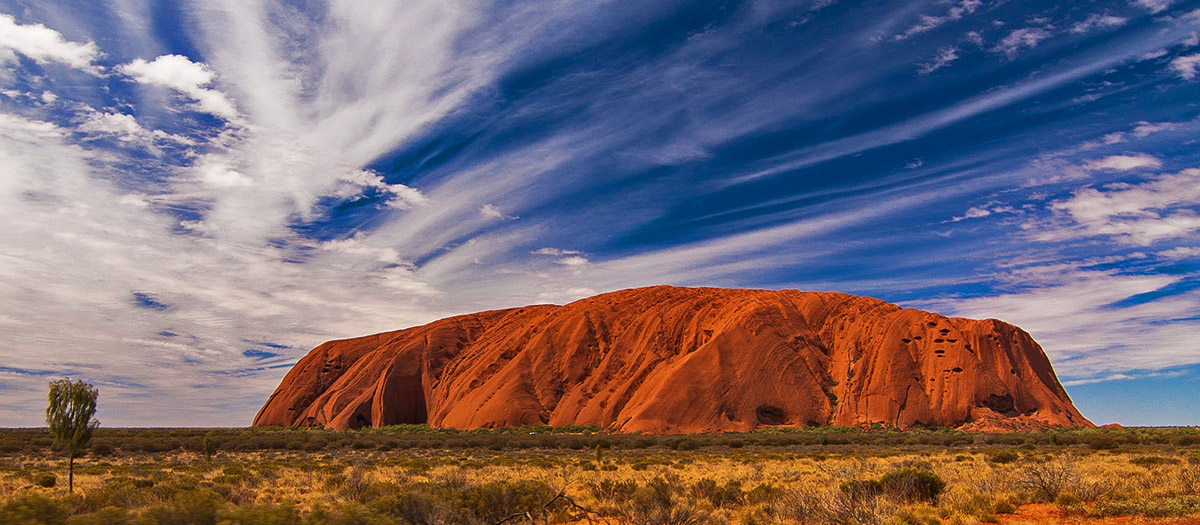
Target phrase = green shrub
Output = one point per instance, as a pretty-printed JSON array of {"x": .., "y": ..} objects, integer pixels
[
  {"x": 418, "y": 508},
  {"x": 496, "y": 500},
  {"x": 641, "y": 442},
  {"x": 191, "y": 508},
  {"x": 1154, "y": 461},
  {"x": 921, "y": 515},
  {"x": 1003, "y": 456},
  {"x": 45, "y": 479},
  {"x": 102, "y": 449},
  {"x": 34, "y": 509},
  {"x": 763, "y": 493},
  {"x": 862, "y": 489},
  {"x": 282, "y": 514},
  {"x": 104, "y": 516},
  {"x": 683, "y": 444},
  {"x": 1168, "y": 507},
  {"x": 1004, "y": 507},
  {"x": 1068, "y": 500},
  {"x": 719, "y": 496},
  {"x": 209, "y": 446},
  {"x": 613, "y": 491},
  {"x": 913, "y": 484}
]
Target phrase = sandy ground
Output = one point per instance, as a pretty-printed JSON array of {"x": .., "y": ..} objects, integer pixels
[{"x": 1052, "y": 515}]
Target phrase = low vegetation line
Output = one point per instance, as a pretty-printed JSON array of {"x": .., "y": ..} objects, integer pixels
[{"x": 419, "y": 475}]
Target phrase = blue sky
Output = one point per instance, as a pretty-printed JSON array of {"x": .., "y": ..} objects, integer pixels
[{"x": 193, "y": 194}]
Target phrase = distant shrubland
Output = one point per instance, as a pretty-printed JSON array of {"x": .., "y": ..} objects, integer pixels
[{"x": 414, "y": 474}]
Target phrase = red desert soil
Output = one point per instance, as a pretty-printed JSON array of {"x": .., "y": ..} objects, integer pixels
[
  {"x": 1051, "y": 515},
  {"x": 672, "y": 360}
]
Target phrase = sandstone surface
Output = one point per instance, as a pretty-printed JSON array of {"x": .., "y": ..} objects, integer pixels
[{"x": 675, "y": 360}]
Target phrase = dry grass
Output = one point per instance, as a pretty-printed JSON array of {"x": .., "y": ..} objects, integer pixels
[{"x": 745, "y": 483}]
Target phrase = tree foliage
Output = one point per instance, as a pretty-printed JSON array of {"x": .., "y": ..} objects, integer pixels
[{"x": 69, "y": 416}]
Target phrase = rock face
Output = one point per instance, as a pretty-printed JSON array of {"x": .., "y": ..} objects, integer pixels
[{"x": 673, "y": 360}]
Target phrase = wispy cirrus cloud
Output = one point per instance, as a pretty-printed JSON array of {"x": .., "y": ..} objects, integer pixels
[
  {"x": 1160, "y": 208},
  {"x": 1124, "y": 162},
  {"x": 1026, "y": 37},
  {"x": 1186, "y": 66},
  {"x": 286, "y": 175},
  {"x": 1097, "y": 21},
  {"x": 944, "y": 57},
  {"x": 1155, "y": 6},
  {"x": 1057, "y": 301},
  {"x": 929, "y": 23}
]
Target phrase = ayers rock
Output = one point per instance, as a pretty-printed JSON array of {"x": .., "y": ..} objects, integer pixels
[{"x": 673, "y": 360}]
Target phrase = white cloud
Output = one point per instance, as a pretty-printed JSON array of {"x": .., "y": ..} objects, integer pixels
[
  {"x": 1140, "y": 214},
  {"x": 1181, "y": 252},
  {"x": 574, "y": 261},
  {"x": 1070, "y": 312},
  {"x": 945, "y": 56},
  {"x": 126, "y": 128},
  {"x": 181, "y": 74},
  {"x": 1143, "y": 129},
  {"x": 1186, "y": 66},
  {"x": 12, "y": 126},
  {"x": 928, "y": 23},
  {"x": 1157, "y": 53},
  {"x": 1154, "y": 6},
  {"x": 978, "y": 212},
  {"x": 1098, "y": 21},
  {"x": 920, "y": 125},
  {"x": 492, "y": 212},
  {"x": 77, "y": 248},
  {"x": 402, "y": 197},
  {"x": 1124, "y": 163},
  {"x": 1027, "y": 37},
  {"x": 565, "y": 295},
  {"x": 1089, "y": 381},
  {"x": 316, "y": 102},
  {"x": 405, "y": 197},
  {"x": 217, "y": 174},
  {"x": 555, "y": 252},
  {"x": 43, "y": 45},
  {"x": 974, "y": 212}
]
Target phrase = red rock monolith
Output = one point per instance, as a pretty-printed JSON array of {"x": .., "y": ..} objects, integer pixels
[{"x": 674, "y": 360}]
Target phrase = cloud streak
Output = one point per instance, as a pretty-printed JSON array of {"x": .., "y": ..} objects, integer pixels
[{"x": 201, "y": 209}]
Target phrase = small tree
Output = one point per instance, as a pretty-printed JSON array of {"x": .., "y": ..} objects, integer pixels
[
  {"x": 209, "y": 446},
  {"x": 69, "y": 416}
]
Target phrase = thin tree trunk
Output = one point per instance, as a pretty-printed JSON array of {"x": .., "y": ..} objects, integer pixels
[{"x": 71, "y": 475}]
